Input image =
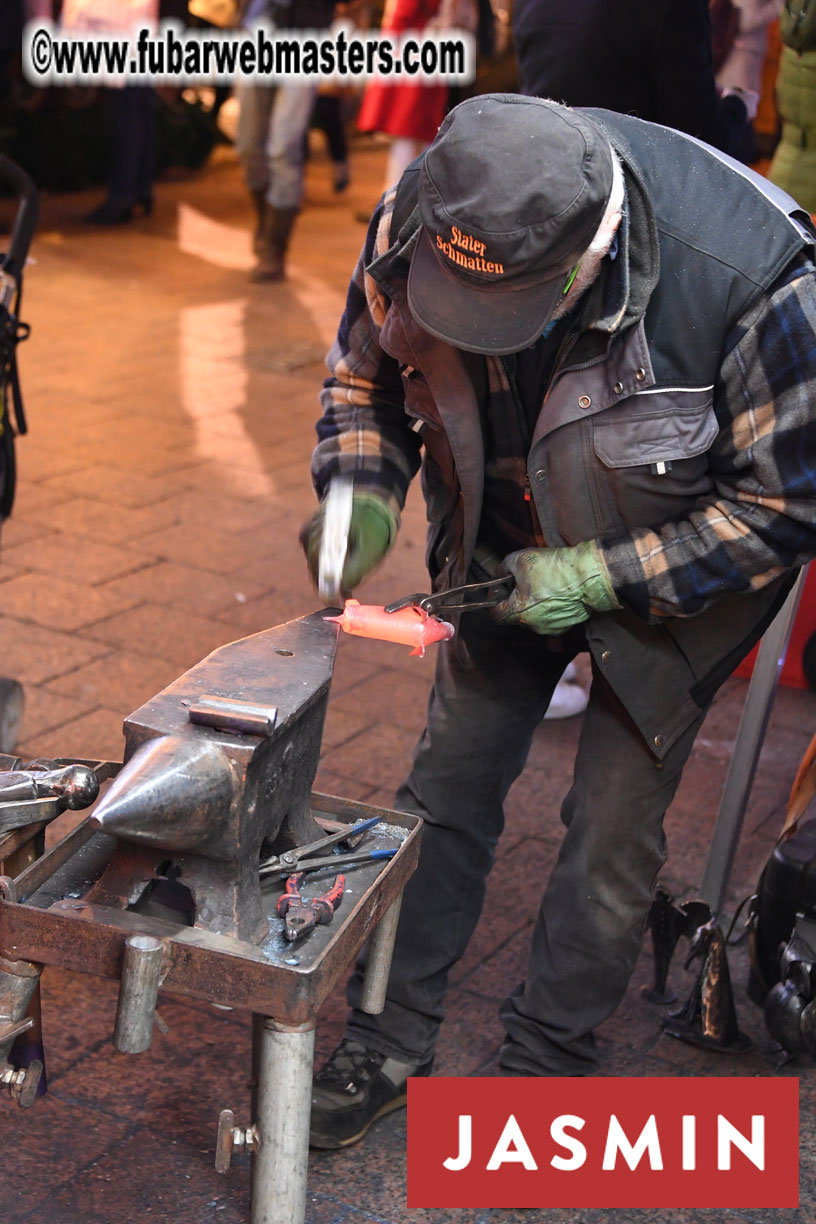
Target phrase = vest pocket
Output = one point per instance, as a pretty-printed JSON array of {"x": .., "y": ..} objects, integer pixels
[
  {"x": 651, "y": 458},
  {"x": 654, "y": 428}
]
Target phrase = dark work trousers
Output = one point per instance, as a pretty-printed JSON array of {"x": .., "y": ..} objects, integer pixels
[{"x": 490, "y": 692}]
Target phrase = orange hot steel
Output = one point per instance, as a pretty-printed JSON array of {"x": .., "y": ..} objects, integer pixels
[{"x": 412, "y": 626}]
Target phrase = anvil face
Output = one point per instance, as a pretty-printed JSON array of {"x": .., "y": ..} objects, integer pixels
[{"x": 222, "y": 761}]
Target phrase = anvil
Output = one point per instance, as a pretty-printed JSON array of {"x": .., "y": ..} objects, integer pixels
[{"x": 218, "y": 770}]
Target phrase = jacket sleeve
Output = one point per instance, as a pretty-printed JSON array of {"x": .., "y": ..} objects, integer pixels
[
  {"x": 761, "y": 519},
  {"x": 682, "y": 73},
  {"x": 364, "y": 430}
]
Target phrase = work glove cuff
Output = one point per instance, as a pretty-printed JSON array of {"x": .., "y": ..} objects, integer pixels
[
  {"x": 557, "y": 588},
  {"x": 597, "y": 591}
]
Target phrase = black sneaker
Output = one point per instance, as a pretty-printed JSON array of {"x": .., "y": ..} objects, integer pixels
[{"x": 354, "y": 1088}]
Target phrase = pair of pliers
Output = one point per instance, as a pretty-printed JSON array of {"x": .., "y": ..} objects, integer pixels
[
  {"x": 298, "y": 858},
  {"x": 493, "y": 592},
  {"x": 301, "y": 916}
]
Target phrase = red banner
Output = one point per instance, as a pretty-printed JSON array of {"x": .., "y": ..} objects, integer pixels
[{"x": 655, "y": 1143}]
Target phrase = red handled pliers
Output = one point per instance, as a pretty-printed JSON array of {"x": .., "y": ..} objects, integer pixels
[{"x": 301, "y": 916}]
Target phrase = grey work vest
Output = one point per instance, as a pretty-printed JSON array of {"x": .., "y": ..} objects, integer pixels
[{"x": 595, "y": 463}]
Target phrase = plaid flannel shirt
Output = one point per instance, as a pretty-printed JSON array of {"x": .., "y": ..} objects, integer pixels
[{"x": 759, "y": 523}]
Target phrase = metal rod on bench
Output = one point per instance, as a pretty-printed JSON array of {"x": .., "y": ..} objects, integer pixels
[
  {"x": 283, "y": 1062},
  {"x": 747, "y": 747},
  {"x": 378, "y": 966}
]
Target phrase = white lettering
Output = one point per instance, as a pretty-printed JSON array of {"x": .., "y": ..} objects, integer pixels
[
  {"x": 558, "y": 1131},
  {"x": 455, "y": 1163},
  {"x": 728, "y": 1136},
  {"x": 689, "y": 1141},
  {"x": 511, "y": 1148},
  {"x": 616, "y": 1140}
]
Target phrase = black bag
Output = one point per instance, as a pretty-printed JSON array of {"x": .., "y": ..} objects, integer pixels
[{"x": 787, "y": 888}]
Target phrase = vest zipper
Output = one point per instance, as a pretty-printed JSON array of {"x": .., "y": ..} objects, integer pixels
[{"x": 527, "y": 491}]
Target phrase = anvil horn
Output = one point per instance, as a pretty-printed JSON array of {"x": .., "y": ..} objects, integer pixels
[{"x": 172, "y": 793}]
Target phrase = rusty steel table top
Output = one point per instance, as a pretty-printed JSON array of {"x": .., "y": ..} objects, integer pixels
[{"x": 52, "y": 922}]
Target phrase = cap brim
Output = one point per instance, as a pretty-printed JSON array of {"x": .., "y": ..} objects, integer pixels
[{"x": 495, "y": 318}]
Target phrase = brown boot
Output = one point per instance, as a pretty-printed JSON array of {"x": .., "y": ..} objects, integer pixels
[{"x": 275, "y": 234}]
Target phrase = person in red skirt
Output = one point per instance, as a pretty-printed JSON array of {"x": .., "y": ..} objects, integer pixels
[{"x": 412, "y": 110}]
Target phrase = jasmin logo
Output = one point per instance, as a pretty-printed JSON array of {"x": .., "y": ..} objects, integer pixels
[
  {"x": 512, "y": 1146},
  {"x": 468, "y": 252},
  {"x": 640, "y": 1143}
]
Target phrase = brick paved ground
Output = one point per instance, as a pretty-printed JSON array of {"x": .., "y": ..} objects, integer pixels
[{"x": 161, "y": 489}]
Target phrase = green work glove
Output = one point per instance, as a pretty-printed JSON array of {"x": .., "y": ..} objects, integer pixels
[
  {"x": 556, "y": 588},
  {"x": 372, "y": 531}
]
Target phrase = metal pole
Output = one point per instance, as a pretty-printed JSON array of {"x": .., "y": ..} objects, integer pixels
[
  {"x": 747, "y": 747},
  {"x": 378, "y": 965},
  {"x": 285, "y": 1058},
  {"x": 138, "y": 992}
]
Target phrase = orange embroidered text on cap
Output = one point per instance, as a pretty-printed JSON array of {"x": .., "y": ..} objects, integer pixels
[{"x": 461, "y": 242}]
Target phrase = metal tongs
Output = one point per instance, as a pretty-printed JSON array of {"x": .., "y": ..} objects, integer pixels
[
  {"x": 457, "y": 599},
  {"x": 299, "y": 858}
]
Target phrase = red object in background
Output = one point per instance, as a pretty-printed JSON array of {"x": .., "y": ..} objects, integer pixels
[
  {"x": 805, "y": 624},
  {"x": 411, "y": 108}
]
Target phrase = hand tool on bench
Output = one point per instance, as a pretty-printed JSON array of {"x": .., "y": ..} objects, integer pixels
[
  {"x": 299, "y": 858},
  {"x": 33, "y": 796},
  {"x": 301, "y": 914},
  {"x": 291, "y": 859},
  {"x": 356, "y": 859}
]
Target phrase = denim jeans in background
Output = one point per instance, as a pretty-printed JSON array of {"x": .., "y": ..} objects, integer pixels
[{"x": 272, "y": 123}]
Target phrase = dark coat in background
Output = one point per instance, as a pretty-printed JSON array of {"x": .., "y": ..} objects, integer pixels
[
  {"x": 11, "y": 25},
  {"x": 649, "y": 58}
]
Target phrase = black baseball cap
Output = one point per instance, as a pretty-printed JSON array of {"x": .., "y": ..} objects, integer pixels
[{"x": 511, "y": 193}]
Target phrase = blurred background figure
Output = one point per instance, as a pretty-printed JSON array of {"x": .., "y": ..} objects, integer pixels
[
  {"x": 132, "y": 115},
  {"x": 329, "y": 118},
  {"x": 794, "y": 162},
  {"x": 212, "y": 15},
  {"x": 740, "y": 64},
  {"x": 411, "y": 111},
  {"x": 11, "y": 38},
  {"x": 650, "y": 58},
  {"x": 133, "y": 156},
  {"x": 272, "y": 125}
]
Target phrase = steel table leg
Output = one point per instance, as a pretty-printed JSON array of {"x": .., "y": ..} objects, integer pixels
[
  {"x": 747, "y": 747},
  {"x": 283, "y": 1058},
  {"x": 378, "y": 967}
]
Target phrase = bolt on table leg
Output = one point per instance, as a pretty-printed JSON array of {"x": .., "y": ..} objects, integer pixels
[
  {"x": 378, "y": 966},
  {"x": 284, "y": 1062}
]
